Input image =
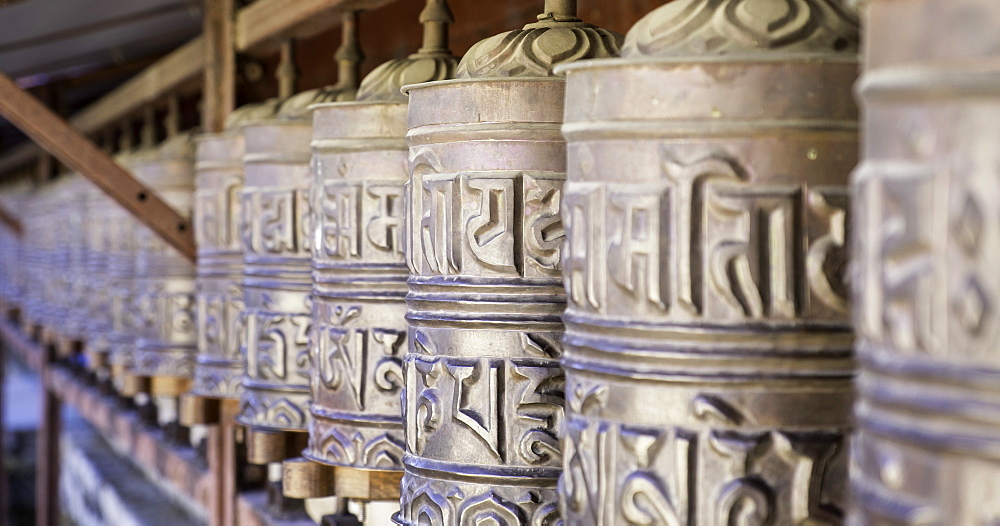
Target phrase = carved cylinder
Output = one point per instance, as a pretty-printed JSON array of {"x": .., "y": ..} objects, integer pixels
[
  {"x": 121, "y": 248},
  {"x": 927, "y": 450},
  {"x": 97, "y": 281},
  {"x": 12, "y": 265},
  {"x": 359, "y": 284},
  {"x": 63, "y": 218},
  {"x": 34, "y": 233},
  {"x": 484, "y": 390},
  {"x": 75, "y": 212},
  {"x": 165, "y": 287},
  {"x": 276, "y": 274},
  {"x": 219, "y": 180},
  {"x": 708, "y": 347}
]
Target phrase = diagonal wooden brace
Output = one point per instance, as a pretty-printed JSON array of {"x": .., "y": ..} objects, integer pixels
[{"x": 74, "y": 150}]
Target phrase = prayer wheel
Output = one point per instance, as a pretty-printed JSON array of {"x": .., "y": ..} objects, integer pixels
[
  {"x": 277, "y": 267},
  {"x": 359, "y": 285},
  {"x": 219, "y": 178},
  {"x": 122, "y": 248},
  {"x": 165, "y": 347},
  {"x": 75, "y": 217},
  {"x": 32, "y": 260},
  {"x": 484, "y": 391},
  {"x": 97, "y": 282},
  {"x": 61, "y": 220},
  {"x": 926, "y": 201},
  {"x": 13, "y": 200},
  {"x": 708, "y": 343}
]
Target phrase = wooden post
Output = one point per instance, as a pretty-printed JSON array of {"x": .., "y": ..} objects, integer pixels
[
  {"x": 47, "y": 473},
  {"x": 223, "y": 465},
  {"x": 220, "y": 64},
  {"x": 4, "y": 490},
  {"x": 79, "y": 154}
]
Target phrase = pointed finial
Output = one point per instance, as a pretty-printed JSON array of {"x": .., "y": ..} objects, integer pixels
[
  {"x": 148, "y": 137},
  {"x": 559, "y": 11},
  {"x": 125, "y": 139},
  {"x": 173, "y": 121},
  {"x": 287, "y": 73},
  {"x": 349, "y": 55},
  {"x": 433, "y": 61},
  {"x": 435, "y": 17}
]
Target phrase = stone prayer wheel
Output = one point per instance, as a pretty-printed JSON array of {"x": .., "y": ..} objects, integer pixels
[
  {"x": 63, "y": 221},
  {"x": 219, "y": 179},
  {"x": 96, "y": 267},
  {"x": 75, "y": 218},
  {"x": 31, "y": 249},
  {"x": 359, "y": 285},
  {"x": 276, "y": 232},
  {"x": 13, "y": 199},
  {"x": 165, "y": 348},
  {"x": 217, "y": 214},
  {"x": 708, "y": 344},
  {"x": 484, "y": 390},
  {"x": 121, "y": 276},
  {"x": 926, "y": 201}
]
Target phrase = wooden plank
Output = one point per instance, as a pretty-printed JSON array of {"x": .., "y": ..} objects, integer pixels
[
  {"x": 219, "y": 98},
  {"x": 147, "y": 446},
  {"x": 79, "y": 154},
  {"x": 177, "y": 68},
  {"x": 262, "y": 25}
]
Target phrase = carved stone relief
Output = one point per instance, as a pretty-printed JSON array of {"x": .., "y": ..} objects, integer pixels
[
  {"x": 708, "y": 349},
  {"x": 275, "y": 231},
  {"x": 219, "y": 370},
  {"x": 925, "y": 285},
  {"x": 484, "y": 390},
  {"x": 164, "y": 301}
]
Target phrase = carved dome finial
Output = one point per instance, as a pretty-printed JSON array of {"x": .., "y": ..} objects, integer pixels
[
  {"x": 349, "y": 57},
  {"x": 733, "y": 27},
  {"x": 557, "y": 38},
  {"x": 433, "y": 61}
]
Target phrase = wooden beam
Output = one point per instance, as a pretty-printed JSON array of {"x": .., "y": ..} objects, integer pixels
[
  {"x": 182, "y": 65},
  {"x": 262, "y": 25},
  {"x": 11, "y": 222},
  {"x": 219, "y": 97},
  {"x": 74, "y": 150}
]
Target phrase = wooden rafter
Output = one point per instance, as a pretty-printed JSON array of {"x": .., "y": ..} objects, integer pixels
[
  {"x": 258, "y": 28},
  {"x": 74, "y": 150}
]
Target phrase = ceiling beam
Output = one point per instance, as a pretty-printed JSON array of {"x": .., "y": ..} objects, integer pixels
[
  {"x": 183, "y": 64},
  {"x": 74, "y": 150},
  {"x": 262, "y": 25},
  {"x": 259, "y": 27}
]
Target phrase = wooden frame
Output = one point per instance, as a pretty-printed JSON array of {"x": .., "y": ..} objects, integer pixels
[{"x": 77, "y": 152}]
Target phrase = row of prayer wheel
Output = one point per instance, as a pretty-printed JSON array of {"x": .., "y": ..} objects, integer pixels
[{"x": 584, "y": 278}]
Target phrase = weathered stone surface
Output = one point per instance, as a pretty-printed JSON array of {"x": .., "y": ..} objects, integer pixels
[
  {"x": 165, "y": 280},
  {"x": 708, "y": 346},
  {"x": 925, "y": 281},
  {"x": 359, "y": 272},
  {"x": 219, "y": 168}
]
